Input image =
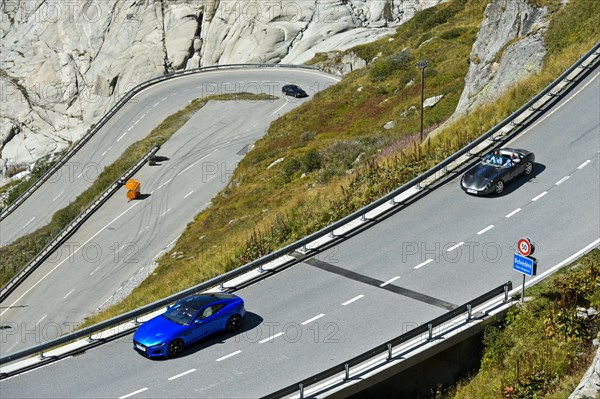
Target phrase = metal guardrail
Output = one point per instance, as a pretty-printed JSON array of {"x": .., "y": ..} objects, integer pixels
[
  {"x": 586, "y": 61},
  {"x": 390, "y": 345},
  {"x": 65, "y": 233},
  {"x": 112, "y": 111}
]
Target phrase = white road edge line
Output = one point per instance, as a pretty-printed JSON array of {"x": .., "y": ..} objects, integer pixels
[
  {"x": 72, "y": 253},
  {"x": 513, "y": 212},
  {"x": 389, "y": 281},
  {"x": 230, "y": 355},
  {"x": 313, "y": 319},
  {"x": 564, "y": 262},
  {"x": 133, "y": 393},
  {"x": 452, "y": 248},
  {"x": 539, "y": 196},
  {"x": 356, "y": 298},
  {"x": 423, "y": 264},
  {"x": 181, "y": 374},
  {"x": 583, "y": 165},
  {"x": 480, "y": 232},
  {"x": 272, "y": 337},
  {"x": 69, "y": 293},
  {"x": 564, "y": 179}
]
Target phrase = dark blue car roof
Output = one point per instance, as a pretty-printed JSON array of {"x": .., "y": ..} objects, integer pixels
[{"x": 200, "y": 300}]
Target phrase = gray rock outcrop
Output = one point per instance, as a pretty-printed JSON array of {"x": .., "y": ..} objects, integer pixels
[
  {"x": 589, "y": 387},
  {"x": 64, "y": 63},
  {"x": 508, "y": 47}
]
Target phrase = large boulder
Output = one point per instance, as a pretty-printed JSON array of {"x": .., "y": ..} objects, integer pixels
[{"x": 508, "y": 48}]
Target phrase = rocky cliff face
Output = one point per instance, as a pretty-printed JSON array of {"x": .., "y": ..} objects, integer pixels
[
  {"x": 509, "y": 47},
  {"x": 64, "y": 63}
]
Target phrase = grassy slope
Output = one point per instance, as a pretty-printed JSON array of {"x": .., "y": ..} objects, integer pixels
[
  {"x": 542, "y": 349},
  {"x": 337, "y": 155},
  {"x": 16, "y": 255},
  {"x": 321, "y": 139}
]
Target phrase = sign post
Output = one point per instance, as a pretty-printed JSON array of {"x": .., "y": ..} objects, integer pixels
[{"x": 523, "y": 262}]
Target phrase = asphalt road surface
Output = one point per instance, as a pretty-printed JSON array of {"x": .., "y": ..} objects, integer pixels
[
  {"x": 114, "y": 249},
  {"x": 133, "y": 122},
  {"x": 438, "y": 252}
]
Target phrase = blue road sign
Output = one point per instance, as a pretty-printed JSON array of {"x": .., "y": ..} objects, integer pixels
[{"x": 524, "y": 264}]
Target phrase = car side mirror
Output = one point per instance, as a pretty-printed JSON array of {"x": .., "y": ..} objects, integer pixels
[{"x": 198, "y": 321}]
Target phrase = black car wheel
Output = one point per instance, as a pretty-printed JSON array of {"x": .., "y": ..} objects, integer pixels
[
  {"x": 499, "y": 187},
  {"x": 234, "y": 323},
  {"x": 175, "y": 348},
  {"x": 528, "y": 168}
]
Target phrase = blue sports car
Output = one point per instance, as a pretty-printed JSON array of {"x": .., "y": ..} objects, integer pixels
[{"x": 189, "y": 320}]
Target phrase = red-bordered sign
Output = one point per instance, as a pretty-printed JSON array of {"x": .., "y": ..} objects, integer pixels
[{"x": 524, "y": 246}]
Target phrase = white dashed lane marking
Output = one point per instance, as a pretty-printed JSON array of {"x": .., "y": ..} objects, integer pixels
[
  {"x": 188, "y": 194},
  {"x": 513, "y": 212},
  {"x": 312, "y": 319},
  {"x": 583, "y": 165},
  {"x": 423, "y": 264},
  {"x": 389, "y": 281},
  {"x": 230, "y": 355},
  {"x": 68, "y": 293},
  {"x": 272, "y": 337},
  {"x": 564, "y": 179},
  {"x": 480, "y": 232},
  {"x": 539, "y": 196},
  {"x": 30, "y": 220},
  {"x": 55, "y": 198},
  {"x": 181, "y": 374},
  {"x": 133, "y": 393},
  {"x": 452, "y": 248},
  {"x": 356, "y": 298},
  {"x": 40, "y": 320}
]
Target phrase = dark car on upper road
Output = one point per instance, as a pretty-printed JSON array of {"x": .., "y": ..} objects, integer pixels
[
  {"x": 294, "y": 91},
  {"x": 496, "y": 169},
  {"x": 187, "y": 321}
]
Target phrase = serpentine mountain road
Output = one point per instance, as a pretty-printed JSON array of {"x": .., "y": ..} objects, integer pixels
[
  {"x": 438, "y": 252},
  {"x": 113, "y": 249},
  {"x": 135, "y": 120}
]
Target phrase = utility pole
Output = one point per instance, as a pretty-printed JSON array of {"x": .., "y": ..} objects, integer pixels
[{"x": 422, "y": 65}]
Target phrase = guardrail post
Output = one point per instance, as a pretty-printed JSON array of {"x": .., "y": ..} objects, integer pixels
[
  {"x": 301, "y": 389},
  {"x": 430, "y": 328},
  {"x": 41, "y": 356},
  {"x": 393, "y": 201},
  {"x": 389, "y": 346},
  {"x": 260, "y": 269},
  {"x": 469, "y": 309},
  {"x": 90, "y": 339},
  {"x": 363, "y": 217},
  {"x": 347, "y": 367},
  {"x": 505, "y": 293},
  {"x": 331, "y": 234}
]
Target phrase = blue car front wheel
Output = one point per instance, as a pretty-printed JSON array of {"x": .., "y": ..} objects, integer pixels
[{"x": 175, "y": 348}]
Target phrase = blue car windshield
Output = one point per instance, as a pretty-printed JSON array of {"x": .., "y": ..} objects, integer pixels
[{"x": 180, "y": 313}]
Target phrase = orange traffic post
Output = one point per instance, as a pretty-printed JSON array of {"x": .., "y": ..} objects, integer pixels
[{"x": 133, "y": 189}]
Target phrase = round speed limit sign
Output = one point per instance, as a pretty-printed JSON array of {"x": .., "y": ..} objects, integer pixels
[{"x": 524, "y": 246}]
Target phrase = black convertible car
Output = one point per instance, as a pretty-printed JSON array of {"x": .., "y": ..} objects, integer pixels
[{"x": 496, "y": 169}]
